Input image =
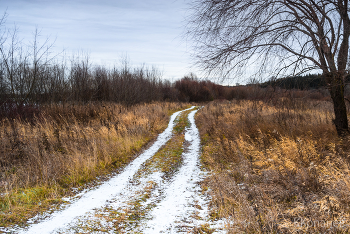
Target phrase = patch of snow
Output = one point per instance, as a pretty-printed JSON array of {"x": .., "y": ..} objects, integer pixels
[{"x": 66, "y": 199}]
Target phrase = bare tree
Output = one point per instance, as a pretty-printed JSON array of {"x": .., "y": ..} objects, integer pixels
[
  {"x": 286, "y": 36},
  {"x": 23, "y": 65}
]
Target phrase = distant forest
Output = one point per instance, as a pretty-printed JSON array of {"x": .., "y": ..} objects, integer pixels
[
  {"x": 25, "y": 87},
  {"x": 306, "y": 82}
]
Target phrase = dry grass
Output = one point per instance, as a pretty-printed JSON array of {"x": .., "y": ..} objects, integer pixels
[
  {"x": 276, "y": 169},
  {"x": 69, "y": 146}
]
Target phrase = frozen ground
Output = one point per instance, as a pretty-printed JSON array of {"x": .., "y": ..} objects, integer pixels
[{"x": 174, "y": 205}]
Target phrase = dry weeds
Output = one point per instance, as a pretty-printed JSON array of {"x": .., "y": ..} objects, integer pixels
[
  {"x": 276, "y": 168},
  {"x": 69, "y": 146}
]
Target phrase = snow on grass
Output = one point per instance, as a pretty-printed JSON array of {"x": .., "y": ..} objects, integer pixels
[
  {"x": 98, "y": 197},
  {"x": 183, "y": 205},
  {"x": 117, "y": 213}
]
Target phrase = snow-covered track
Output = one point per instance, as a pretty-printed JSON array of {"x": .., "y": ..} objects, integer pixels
[
  {"x": 181, "y": 193},
  {"x": 183, "y": 207}
]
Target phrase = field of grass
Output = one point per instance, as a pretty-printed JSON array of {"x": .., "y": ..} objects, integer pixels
[
  {"x": 69, "y": 147},
  {"x": 276, "y": 168}
]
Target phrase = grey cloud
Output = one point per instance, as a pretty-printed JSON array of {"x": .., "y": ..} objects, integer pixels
[{"x": 147, "y": 30}]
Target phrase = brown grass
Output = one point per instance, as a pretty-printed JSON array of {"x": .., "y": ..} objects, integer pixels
[
  {"x": 69, "y": 146},
  {"x": 276, "y": 169}
]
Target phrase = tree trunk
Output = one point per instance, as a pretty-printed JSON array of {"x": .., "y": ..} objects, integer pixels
[{"x": 336, "y": 88}]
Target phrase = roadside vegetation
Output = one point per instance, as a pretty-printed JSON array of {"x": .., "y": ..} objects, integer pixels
[
  {"x": 276, "y": 167},
  {"x": 68, "y": 147}
]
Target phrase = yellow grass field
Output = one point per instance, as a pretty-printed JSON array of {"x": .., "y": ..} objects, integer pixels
[
  {"x": 276, "y": 168},
  {"x": 273, "y": 168},
  {"x": 69, "y": 147}
]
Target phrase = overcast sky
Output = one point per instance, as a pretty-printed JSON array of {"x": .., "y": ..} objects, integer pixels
[{"x": 147, "y": 31}]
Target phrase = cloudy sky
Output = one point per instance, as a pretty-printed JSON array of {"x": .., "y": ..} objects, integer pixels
[{"x": 146, "y": 31}]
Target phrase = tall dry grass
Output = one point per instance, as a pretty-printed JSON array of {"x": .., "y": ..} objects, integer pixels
[
  {"x": 276, "y": 168},
  {"x": 68, "y": 146}
]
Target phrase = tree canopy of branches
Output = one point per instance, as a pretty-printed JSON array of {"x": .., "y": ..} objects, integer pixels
[{"x": 285, "y": 36}]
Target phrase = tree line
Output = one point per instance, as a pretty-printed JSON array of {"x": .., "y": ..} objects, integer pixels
[{"x": 302, "y": 82}]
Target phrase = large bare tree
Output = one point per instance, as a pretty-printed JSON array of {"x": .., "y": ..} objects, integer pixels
[{"x": 289, "y": 36}]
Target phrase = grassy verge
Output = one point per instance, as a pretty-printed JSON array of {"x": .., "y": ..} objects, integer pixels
[
  {"x": 276, "y": 169},
  {"x": 69, "y": 146}
]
